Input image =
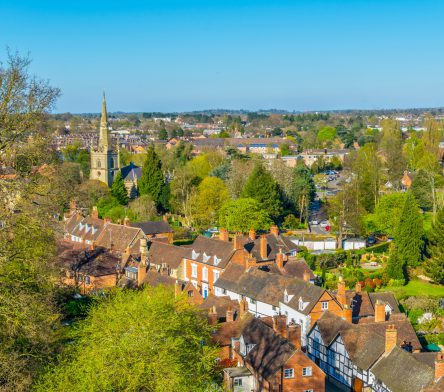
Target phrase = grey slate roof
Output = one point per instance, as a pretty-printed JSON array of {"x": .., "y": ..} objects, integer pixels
[
  {"x": 131, "y": 172},
  {"x": 153, "y": 227},
  {"x": 401, "y": 372}
]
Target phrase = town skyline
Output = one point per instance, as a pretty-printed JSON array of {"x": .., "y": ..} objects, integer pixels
[{"x": 169, "y": 56}]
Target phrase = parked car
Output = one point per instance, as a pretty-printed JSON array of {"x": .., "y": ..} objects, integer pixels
[
  {"x": 324, "y": 224},
  {"x": 314, "y": 222},
  {"x": 371, "y": 240}
]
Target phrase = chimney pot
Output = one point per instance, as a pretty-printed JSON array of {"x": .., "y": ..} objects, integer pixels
[
  {"x": 95, "y": 213},
  {"x": 263, "y": 246},
  {"x": 391, "y": 338},
  {"x": 252, "y": 234},
  {"x": 306, "y": 276},
  {"x": 212, "y": 316},
  {"x": 243, "y": 307},
  {"x": 379, "y": 311},
  {"x": 274, "y": 230},
  {"x": 280, "y": 325},
  {"x": 238, "y": 241},
  {"x": 223, "y": 234},
  {"x": 341, "y": 292},
  {"x": 280, "y": 259},
  {"x": 126, "y": 221},
  {"x": 294, "y": 334},
  {"x": 439, "y": 366},
  {"x": 229, "y": 315}
]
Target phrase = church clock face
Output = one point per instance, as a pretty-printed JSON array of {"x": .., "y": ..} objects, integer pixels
[{"x": 98, "y": 173}]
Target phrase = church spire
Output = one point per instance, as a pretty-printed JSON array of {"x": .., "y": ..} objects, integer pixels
[{"x": 104, "y": 137}]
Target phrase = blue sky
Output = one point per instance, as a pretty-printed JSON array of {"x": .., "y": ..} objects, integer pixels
[{"x": 191, "y": 55}]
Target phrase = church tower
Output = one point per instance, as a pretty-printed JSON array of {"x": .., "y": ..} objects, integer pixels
[{"x": 104, "y": 160}]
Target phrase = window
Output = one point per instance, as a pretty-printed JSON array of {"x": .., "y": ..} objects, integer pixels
[
  {"x": 80, "y": 278},
  {"x": 215, "y": 276},
  {"x": 194, "y": 270},
  {"x": 306, "y": 371},
  {"x": 308, "y": 390},
  {"x": 289, "y": 373},
  {"x": 205, "y": 274},
  {"x": 237, "y": 382},
  {"x": 99, "y": 164},
  {"x": 324, "y": 305},
  {"x": 87, "y": 280},
  {"x": 190, "y": 293}
]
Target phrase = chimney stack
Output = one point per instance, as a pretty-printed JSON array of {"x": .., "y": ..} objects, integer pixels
[
  {"x": 72, "y": 206},
  {"x": 252, "y": 234},
  {"x": 108, "y": 220},
  {"x": 306, "y": 276},
  {"x": 243, "y": 307},
  {"x": 347, "y": 313},
  {"x": 223, "y": 235},
  {"x": 126, "y": 221},
  {"x": 280, "y": 259},
  {"x": 379, "y": 311},
  {"x": 358, "y": 287},
  {"x": 141, "y": 271},
  {"x": 263, "y": 246},
  {"x": 212, "y": 316},
  {"x": 93, "y": 245},
  {"x": 294, "y": 334},
  {"x": 391, "y": 337},
  {"x": 274, "y": 230},
  {"x": 341, "y": 292},
  {"x": 95, "y": 213},
  {"x": 439, "y": 366},
  {"x": 238, "y": 241},
  {"x": 230, "y": 315},
  {"x": 280, "y": 325}
]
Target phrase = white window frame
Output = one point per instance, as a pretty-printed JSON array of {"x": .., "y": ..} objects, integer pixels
[
  {"x": 205, "y": 274},
  {"x": 237, "y": 382},
  {"x": 324, "y": 305},
  {"x": 194, "y": 270},
  {"x": 216, "y": 275},
  {"x": 289, "y": 373},
  {"x": 307, "y": 371}
]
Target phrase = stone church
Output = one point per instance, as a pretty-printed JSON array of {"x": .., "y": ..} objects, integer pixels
[{"x": 104, "y": 160}]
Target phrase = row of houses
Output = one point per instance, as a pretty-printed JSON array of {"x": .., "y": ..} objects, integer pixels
[{"x": 277, "y": 330}]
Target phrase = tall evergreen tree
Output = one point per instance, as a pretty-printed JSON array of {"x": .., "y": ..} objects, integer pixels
[
  {"x": 409, "y": 242},
  {"x": 118, "y": 189},
  {"x": 261, "y": 187},
  {"x": 152, "y": 180},
  {"x": 434, "y": 266}
]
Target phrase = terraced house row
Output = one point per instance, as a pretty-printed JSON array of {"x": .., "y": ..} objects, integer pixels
[{"x": 277, "y": 330}]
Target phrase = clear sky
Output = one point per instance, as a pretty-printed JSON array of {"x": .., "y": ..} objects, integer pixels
[{"x": 191, "y": 55}]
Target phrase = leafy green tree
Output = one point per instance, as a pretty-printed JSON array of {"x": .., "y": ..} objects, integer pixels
[
  {"x": 212, "y": 193},
  {"x": 262, "y": 187},
  {"x": 163, "y": 134},
  {"x": 434, "y": 266},
  {"x": 409, "y": 234},
  {"x": 142, "y": 209},
  {"x": 105, "y": 204},
  {"x": 118, "y": 189},
  {"x": 28, "y": 316},
  {"x": 303, "y": 190},
  {"x": 152, "y": 179},
  {"x": 144, "y": 340},
  {"x": 326, "y": 134},
  {"x": 243, "y": 215},
  {"x": 385, "y": 218},
  {"x": 284, "y": 149},
  {"x": 395, "y": 266}
]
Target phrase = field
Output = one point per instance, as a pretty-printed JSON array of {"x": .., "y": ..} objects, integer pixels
[{"x": 417, "y": 287}]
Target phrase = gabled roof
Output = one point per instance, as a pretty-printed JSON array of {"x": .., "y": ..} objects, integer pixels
[
  {"x": 131, "y": 172},
  {"x": 153, "y": 227},
  {"x": 160, "y": 253},
  {"x": 401, "y": 372},
  {"x": 296, "y": 268},
  {"x": 118, "y": 237},
  {"x": 386, "y": 297},
  {"x": 210, "y": 251},
  {"x": 87, "y": 228},
  {"x": 270, "y": 352},
  {"x": 221, "y": 303},
  {"x": 274, "y": 244}
]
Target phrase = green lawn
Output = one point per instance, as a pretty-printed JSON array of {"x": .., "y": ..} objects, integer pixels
[{"x": 417, "y": 287}]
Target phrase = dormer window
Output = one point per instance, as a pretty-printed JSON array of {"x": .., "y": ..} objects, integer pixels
[
  {"x": 194, "y": 254},
  {"x": 301, "y": 304},
  {"x": 205, "y": 257},
  {"x": 216, "y": 260}
]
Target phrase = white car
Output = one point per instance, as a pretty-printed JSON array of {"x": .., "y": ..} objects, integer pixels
[
  {"x": 324, "y": 224},
  {"x": 314, "y": 222}
]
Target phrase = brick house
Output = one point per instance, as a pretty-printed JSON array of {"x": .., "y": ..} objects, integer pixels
[
  {"x": 90, "y": 269},
  {"x": 270, "y": 359}
]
